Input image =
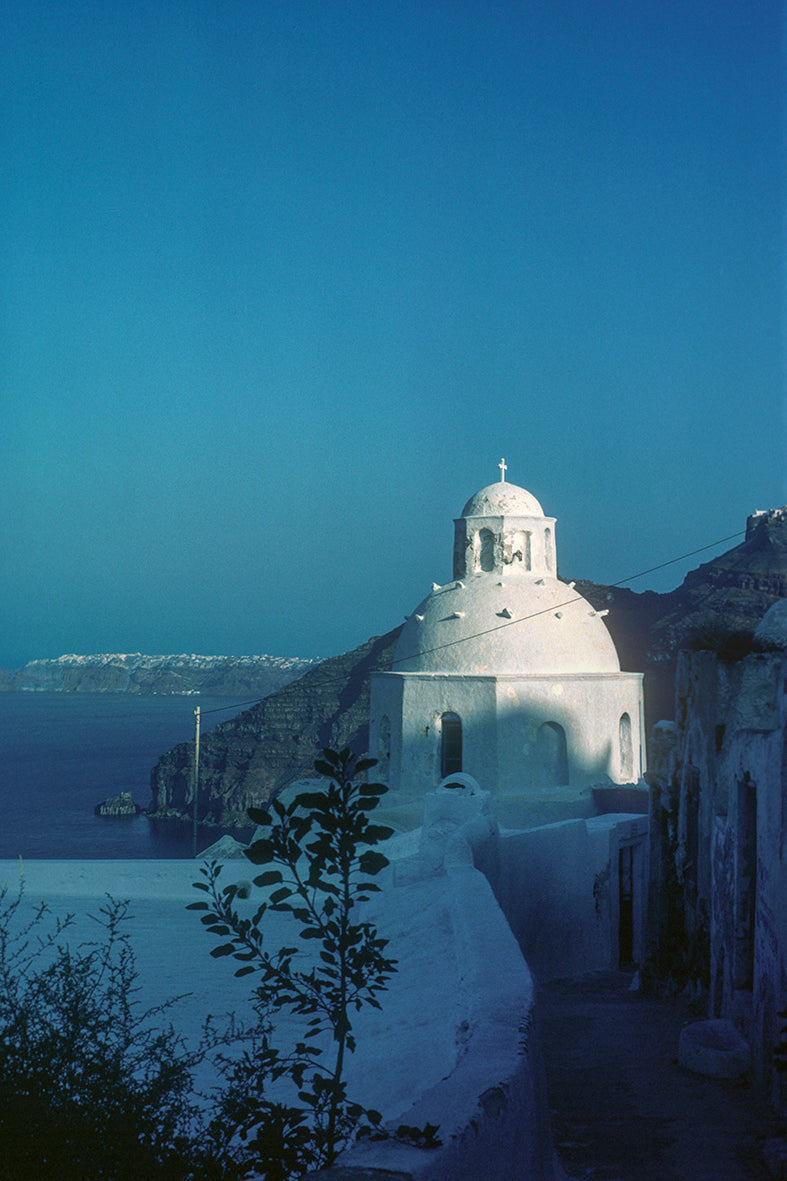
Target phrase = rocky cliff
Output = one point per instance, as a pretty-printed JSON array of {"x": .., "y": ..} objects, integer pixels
[
  {"x": 245, "y": 760},
  {"x": 212, "y": 676},
  {"x": 717, "y": 608},
  {"x": 249, "y": 758}
]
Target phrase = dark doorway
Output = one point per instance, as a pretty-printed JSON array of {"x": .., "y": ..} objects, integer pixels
[
  {"x": 451, "y": 745},
  {"x": 626, "y": 897},
  {"x": 745, "y": 884}
]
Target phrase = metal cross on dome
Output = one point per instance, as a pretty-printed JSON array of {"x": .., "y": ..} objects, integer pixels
[{"x": 503, "y": 470}]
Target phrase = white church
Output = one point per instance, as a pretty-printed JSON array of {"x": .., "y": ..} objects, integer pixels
[{"x": 507, "y": 675}]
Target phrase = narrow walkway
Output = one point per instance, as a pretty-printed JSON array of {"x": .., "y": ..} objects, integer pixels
[{"x": 623, "y": 1109}]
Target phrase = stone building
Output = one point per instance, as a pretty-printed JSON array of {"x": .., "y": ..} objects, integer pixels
[
  {"x": 508, "y": 674},
  {"x": 718, "y": 891}
]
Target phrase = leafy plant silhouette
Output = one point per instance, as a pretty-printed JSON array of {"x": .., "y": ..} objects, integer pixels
[
  {"x": 90, "y": 1086},
  {"x": 320, "y": 850}
]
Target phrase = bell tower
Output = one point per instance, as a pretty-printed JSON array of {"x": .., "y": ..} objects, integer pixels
[{"x": 503, "y": 531}]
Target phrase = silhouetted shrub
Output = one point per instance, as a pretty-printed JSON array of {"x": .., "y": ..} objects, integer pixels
[
  {"x": 727, "y": 642},
  {"x": 321, "y": 849},
  {"x": 90, "y": 1087}
]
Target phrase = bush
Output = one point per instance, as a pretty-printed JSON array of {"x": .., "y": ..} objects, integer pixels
[
  {"x": 321, "y": 849},
  {"x": 729, "y": 643},
  {"x": 89, "y": 1086}
]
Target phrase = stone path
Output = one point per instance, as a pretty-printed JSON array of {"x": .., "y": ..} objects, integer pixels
[{"x": 623, "y": 1109}]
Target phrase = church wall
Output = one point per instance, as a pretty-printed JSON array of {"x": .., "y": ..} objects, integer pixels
[
  {"x": 385, "y": 714},
  {"x": 501, "y": 722},
  {"x": 414, "y": 707},
  {"x": 588, "y": 708},
  {"x": 424, "y": 701},
  {"x": 749, "y": 891}
]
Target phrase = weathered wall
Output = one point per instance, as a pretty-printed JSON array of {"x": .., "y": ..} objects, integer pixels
[
  {"x": 719, "y": 881},
  {"x": 749, "y": 878}
]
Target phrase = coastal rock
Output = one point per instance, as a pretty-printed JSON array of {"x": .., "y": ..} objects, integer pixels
[
  {"x": 119, "y": 805},
  {"x": 245, "y": 761}
]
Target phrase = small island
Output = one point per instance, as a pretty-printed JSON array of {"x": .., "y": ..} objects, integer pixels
[{"x": 119, "y": 805}]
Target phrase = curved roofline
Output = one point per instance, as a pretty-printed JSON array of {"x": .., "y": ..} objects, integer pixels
[{"x": 502, "y": 499}]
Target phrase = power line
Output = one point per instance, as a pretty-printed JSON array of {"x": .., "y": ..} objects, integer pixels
[
  {"x": 682, "y": 558},
  {"x": 219, "y": 709},
  {"x": 567, "y": 603},
  {"x": 329, "y": 681}
]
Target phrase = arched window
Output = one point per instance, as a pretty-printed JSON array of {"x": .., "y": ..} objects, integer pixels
[
  {"x": 549, "y": 550},
  {"x": 487, "y": 552},
  {"x": 626, "y": 749},
  {"x": 450, "y": 744},
  {"x": 552, "y": 755},
  {"x": 520, "y": 549}
]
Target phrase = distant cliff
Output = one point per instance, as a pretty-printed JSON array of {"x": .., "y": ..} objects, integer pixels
[
  {"x": 247, "y": 759},
  {"x": 212, "y": 676}
]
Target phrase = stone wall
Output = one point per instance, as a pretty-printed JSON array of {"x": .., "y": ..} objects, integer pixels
[{"x": 718, "y": 907}]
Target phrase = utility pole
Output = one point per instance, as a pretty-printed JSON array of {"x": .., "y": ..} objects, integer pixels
[{"x": 196, "y": 774}]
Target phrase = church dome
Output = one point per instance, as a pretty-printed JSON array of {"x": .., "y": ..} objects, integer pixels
[
  {"x": 506, "y": 612},
  {"x": 508, "y": 626},
  {"x": 502, "y": 500}
]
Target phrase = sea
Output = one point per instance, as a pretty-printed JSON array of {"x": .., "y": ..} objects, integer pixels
[{"x": 63, "y": 753}]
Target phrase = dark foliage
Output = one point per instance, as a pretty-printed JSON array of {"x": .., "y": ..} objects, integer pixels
[
  {"x": 727, "y": 642},
  {"x": 90, "y": 1087},
  {"x": 319, "y": 859}
]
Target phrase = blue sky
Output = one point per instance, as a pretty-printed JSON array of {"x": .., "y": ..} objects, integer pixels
[{"x": 282, "y": 282}]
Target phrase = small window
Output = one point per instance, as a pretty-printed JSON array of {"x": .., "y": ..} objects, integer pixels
[
  {"x": 451, "y": 745},
  {"x": 549, "y": 550},
  {"x": 552, "y": 755},
  {"x": 487, "y": 553},
  {"x": 626, "y": 750}
]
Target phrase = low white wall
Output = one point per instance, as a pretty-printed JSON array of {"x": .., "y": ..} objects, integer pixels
[
  {"x": 545, "y": 880},
  {"x": 492, "y": 1108}
]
